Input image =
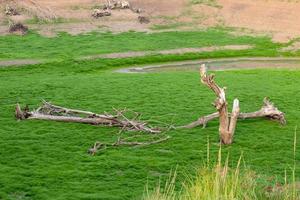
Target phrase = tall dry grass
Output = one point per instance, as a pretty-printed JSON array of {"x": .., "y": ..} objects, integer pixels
[{"x": 220, "y": 182}]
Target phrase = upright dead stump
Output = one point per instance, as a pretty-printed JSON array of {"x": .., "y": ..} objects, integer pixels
[{"x": 227, "y": 124}]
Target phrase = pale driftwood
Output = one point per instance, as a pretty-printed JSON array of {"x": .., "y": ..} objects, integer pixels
[
  {"x": 52, "y": 112},
  {"x": 57, "y": 113},
  {"x": 99, "y": 146},
  {"x": 268, "y": 110},
  {"x": 136, "y": 143},
  {"x": 233, "y": 119},
  {"x": 227, "y": 124}
]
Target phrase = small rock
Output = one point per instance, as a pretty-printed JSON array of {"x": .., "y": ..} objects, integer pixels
[
  {"x": 10, "y": 11},
  {"x": 101, "y": 13},
  {"x": 143, "y": 20},
  {"x": 18, "y": 28}
]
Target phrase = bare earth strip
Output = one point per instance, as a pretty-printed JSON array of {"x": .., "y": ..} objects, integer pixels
[
  {"x": 220, "y": 65},
  {"x": 171, "y": 51},
  {"x": 7, "y": 63},
  {"x": 132, "y": 54}
]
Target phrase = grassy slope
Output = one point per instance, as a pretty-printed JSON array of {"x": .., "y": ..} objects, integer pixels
[
  {"x": 65, "y": 46},
  {"x": 46, "y": 160}
]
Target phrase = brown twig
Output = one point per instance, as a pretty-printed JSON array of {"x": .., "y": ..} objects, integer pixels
[{"x": 124, "y": 142}]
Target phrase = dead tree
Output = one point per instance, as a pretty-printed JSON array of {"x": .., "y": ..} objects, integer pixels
[
  {"x": 268, "y": 111},
  {"x": 52, "y": 112},
  {"x": 228, "y": 121}
]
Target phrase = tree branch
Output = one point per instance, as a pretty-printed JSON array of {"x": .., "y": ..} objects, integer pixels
[
  {"x": 57, "y": 113},
  {"x": 268, "y": 110}
]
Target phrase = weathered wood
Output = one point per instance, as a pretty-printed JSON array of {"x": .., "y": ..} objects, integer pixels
[
  {"x": 202, "y": 121},
  {"x": 99, "y": 146},
  {"x": 57, "y": 113},
  {"x": 227, "y": 124},
  {"x": 60, "y": 109},
  {"x": 19, "y": 113},
  {"x": 93, "y": 121},
  {"x": 268, "y": 110},
  {"x": 233, "y": 121}
]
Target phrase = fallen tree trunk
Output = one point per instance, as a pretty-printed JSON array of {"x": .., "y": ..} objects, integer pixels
[
  {"x": 57, "y": 113},
  {"x": 268, "y": 111},
  {"x": 227, "y": 121}
]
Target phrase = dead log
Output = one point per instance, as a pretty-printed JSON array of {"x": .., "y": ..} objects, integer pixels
[
  {"x": 50, "y": 112},
  {"x": 268, "y": 110},
  {"x": 57, "y": 113},
  {"x": 227, "y": 124}
]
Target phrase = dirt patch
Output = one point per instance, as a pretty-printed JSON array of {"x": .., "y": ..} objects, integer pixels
[
  {"x": 161, "y": 8},
  {"x": 9, "y": 63},
  {"x": 276, "y": 17},
  {"x": 220, "y": 65},
  {"x": 171, "y": 51},
  {"x": 293, "y": 47}
]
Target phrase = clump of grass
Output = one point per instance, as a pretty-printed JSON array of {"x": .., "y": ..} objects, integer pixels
[
  {"x": 219, "y": 181},
  {"x": 211, "y": 182},
  {"x": 212, "y": 3},
  {"x": 167, "y": 193},
  {"x": 39, "y": 20}
]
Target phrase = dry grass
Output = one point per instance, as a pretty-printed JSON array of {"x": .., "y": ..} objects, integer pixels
[{"x": 219, "y": 181}]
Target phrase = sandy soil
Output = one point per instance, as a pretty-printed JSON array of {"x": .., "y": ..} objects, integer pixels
[
  {"x": 19, "y": 62},
  {"x": 7, "y": 63},
  {"x": 276, "y": 17},
  {"x": 220, "y": 65},
  {"x": 171, "y": 51}
]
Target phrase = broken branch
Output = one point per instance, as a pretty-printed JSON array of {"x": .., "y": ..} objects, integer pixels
[
  {"x": 57, "y": 113},
  {"x": 268, "y": 110},
  {"x": 98, "y": 146}
]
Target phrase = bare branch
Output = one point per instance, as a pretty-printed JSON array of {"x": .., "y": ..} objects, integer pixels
[
  {"x": 57, "y": 113},
  {"x": 268, "y": 110},
  {"x": 98, "y": 146}
]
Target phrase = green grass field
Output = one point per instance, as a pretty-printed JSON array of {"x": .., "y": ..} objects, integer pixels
[
  {"x": 64, "y": 46},
  {"x": 49, "y": 160}
]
